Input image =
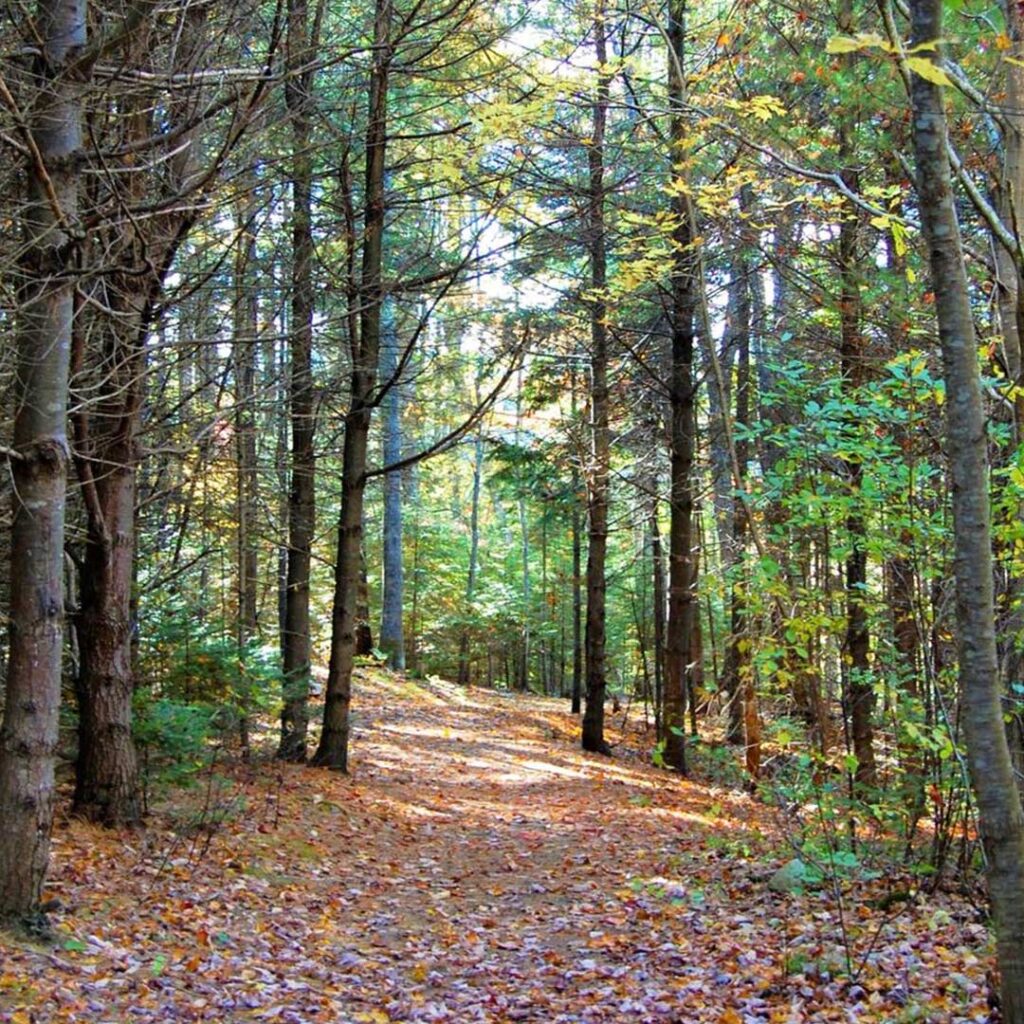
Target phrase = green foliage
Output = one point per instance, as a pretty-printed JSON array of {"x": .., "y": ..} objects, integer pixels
[
  {"x": 173, "y": 738},
  {"x": 198, "y": 687}
]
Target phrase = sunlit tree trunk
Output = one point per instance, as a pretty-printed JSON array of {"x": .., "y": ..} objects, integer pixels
[
  {"x": 1000, "y": 820},
  {"x": 731, "y": 514},
  {"x": 333, "y": 749},
  {"x": 682, "y": 607},
  {"x": 474, "y": 552},
  {"x": 28, "y": 731}
]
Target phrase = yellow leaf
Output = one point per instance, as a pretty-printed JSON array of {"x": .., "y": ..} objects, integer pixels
[
  {"x": 842, "y": 44},
  {"x": 928, "y": 70},
  {"x": 899, "y": 238},
  {"x": 765, "y": 107},
  {"x": 861, "y": 41},
  {"x": 911, "y": 276},
  {"x": 1003, "y": 41}
]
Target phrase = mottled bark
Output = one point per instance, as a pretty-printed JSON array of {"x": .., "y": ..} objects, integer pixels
[
  {"x": 1010, "y": 202},
  {"x": 106, "y": 777},
  {"x": 1000, "y": 821},
  {"x": 28, "y": 731}
]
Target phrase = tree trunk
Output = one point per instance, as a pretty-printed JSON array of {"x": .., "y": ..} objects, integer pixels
[
  {"x": 392, "y": 642},
  {"x": 744, "y": 718},
  {"x": 474, "y": 552},
  {"x": 736, "y": 663},
  {"x": 246, "y": 338},
  {"x": 297, "y": 652},
  {"x": 1000, "y": 821},
  {"x": 364, "y": 632},
  {"x": 597, "y": 478},
  {"x": 136, "y": 256},
  {"x": 682, "y": 579},
  {"x": 577, "y": 596},
  {"x": 28, "y": 731},
  {"x": 1010, "y": 199},
  {"x": 106, "y": 778},
  {"x": 333, "y": 749},
  {"x": 860, "y": 703},
  {"x": 523, "y": 665},
  {"x": 658, "y": 572}
]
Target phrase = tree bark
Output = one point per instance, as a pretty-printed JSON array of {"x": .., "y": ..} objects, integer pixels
[
  {"x": 392, "y": 641},
  {"x": 736, "y": 664},
  {"x": 333, "y": 749},
  {"x": 297, "y": 643},
  {"x": 1010, "y": 201},
  {"x": 138, "y": 255},
  {"x": 597, "y": 477},
  {"x": 682, "y": 579},
  {"x": 860, "y": 696},
  {"x": 28, "y": 731},
  {"x": 738, "y": 671},
  {"x": 1000, "y": 820},
  {"x": 246, "y": 336},
  {"x": 576, "y": 697},
  {"x": 659, "y": 599},
  {"x": 474, "y": 552},
  {"x": 525, "y": 633},
  {"x": 106, "y": 778}
]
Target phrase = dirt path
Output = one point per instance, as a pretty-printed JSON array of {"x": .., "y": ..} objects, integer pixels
[{"x": 475, "y": 867}]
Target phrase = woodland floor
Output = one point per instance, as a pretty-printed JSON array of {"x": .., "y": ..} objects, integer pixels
[{"x": 476, "y": 866}]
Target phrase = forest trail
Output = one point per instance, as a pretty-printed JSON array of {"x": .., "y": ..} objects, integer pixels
[{"x": 476, "y": 866}]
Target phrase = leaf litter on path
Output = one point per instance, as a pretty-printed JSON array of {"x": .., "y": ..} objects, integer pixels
[{"x": 475, "y": 867}]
